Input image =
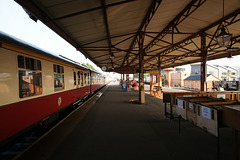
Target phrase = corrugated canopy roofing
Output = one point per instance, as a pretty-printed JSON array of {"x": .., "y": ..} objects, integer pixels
[{"x": 108, "y": 32}]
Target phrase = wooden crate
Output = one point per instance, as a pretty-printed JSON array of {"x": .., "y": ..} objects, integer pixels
[
  {"x": 183, "y": 104},
  {"x": 209, "y": 115},
  {"x": 231, "y": 116},
  {"x": 192, "y": 112},
  {"x": 207, "y": 118},
  {"x": 172, "y": 96}
]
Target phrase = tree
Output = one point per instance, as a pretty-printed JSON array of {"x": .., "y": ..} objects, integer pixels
[
  {"x": 229, "y": 74},
  {"x": 89, "y": 66}
]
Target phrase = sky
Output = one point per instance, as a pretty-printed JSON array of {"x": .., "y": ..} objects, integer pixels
[{"x": 15, "y": 21}]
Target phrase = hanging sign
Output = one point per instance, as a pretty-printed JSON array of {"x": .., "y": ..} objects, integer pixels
[{"x": 152, "y": 72}]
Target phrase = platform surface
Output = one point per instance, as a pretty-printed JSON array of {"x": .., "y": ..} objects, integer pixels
[{"x": 116, "y": 129}]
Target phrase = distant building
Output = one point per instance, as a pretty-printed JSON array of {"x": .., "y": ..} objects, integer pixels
[
  {"x": 177, "y": 77},
  {"x": 232, "y": 74},
  {"x": 193, "y": 81},
  {"x": 225, "y": 73}
]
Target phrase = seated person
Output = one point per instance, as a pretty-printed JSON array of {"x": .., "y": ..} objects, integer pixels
[{"x": 134, "y": 83}]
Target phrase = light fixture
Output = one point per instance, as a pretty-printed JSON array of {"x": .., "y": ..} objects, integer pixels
[
  {"x": 229, "y": 55},
  {"x": 224, "y": 37},
  {"x": 112, "y": 56},
  {"x": 104, "y": 68}
]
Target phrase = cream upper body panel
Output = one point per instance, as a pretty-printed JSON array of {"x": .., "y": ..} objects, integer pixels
[{"x": 8, "y": 77}]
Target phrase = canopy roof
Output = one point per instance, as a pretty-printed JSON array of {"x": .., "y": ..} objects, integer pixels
[{"x": 108, "y": 32}]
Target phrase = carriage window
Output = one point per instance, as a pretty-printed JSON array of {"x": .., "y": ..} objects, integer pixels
[
  {"x": 85, "y": 78},
  {"x": 21, "y": 63},
  {"x": 54, "y": 68},
  {"x": 74, "y": 77},
  {"x": 30, "y": 79},
  {"x": 30, "y": 83},
  {"x": 29, "y": 63},
  {"x": 81, "y": 78},
  {"x": 58, "y": 68},
  {"x": 58, "y": 82},
  {"x": 58, "y": 77},
  {"x": 39, "y": 65},
  {"x": 88, "y": 78}
]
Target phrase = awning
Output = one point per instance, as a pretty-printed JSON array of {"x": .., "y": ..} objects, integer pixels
[{"x": 107, "y": 31}]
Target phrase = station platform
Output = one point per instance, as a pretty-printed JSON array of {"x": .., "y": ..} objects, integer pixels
[{"x": 116, "y": 129}]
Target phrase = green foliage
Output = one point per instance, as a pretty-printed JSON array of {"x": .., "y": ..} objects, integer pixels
[
  {"x": 229, "y": 73},
  {"x": 137, "y": 74},
  {"x": 89, "y": 66}
]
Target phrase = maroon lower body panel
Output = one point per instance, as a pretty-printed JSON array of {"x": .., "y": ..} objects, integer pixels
[
  {"x": 18, "y": 116},
  {"x": 95, "y": 87}
]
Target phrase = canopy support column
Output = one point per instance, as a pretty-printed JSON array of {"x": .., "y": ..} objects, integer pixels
[
  {"x": 128, "y": 82},
  {"x": 204, "y": 62},
  {"x": 151, "y": 84},
  {"x": 169, "y": 79},
  {"x": 141, "y": 69},
  {"x": 159, "y": 77}
]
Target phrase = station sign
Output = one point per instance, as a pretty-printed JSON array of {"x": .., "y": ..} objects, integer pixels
[{"x": 152, "y": 72}]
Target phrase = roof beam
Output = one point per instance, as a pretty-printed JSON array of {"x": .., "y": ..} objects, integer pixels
[
  {"x": 92, "y": 9},
  {"x": 106, "y": 38},
  {"x": 107, "y": 30},
  {"x": 188, "y": 40},
  {"x": 197, "y": 54},
  {"x": 151, "y": 11},
  {"x": 46, "y": 19},
  {"x": 187, "y": 11}
]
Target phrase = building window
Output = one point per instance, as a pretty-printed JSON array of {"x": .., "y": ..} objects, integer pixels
[
  {"x": 30, "y": 76},
  {"x": 211, "y": 72},
  {"x": 224, "y": 73},
  {"x": 196, "y": 71},
  {"x": 58, "y": 77},
  {"x": 196, "y": 84}
]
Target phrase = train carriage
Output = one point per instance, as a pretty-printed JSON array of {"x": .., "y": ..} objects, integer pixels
[{"x": 35, "y": 85}]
